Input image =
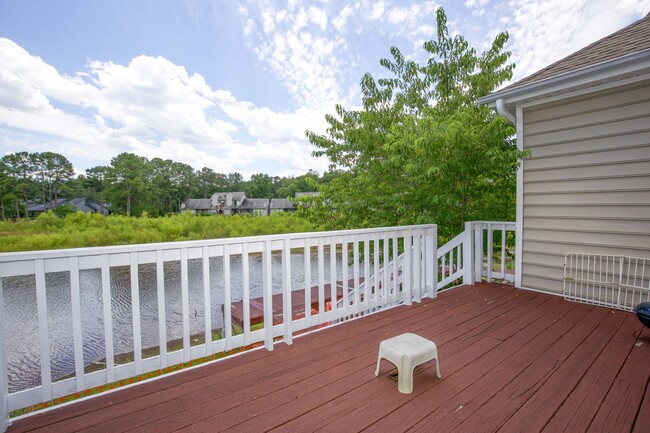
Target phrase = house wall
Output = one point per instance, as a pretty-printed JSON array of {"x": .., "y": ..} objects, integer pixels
[{"x": 586, "y": 186}]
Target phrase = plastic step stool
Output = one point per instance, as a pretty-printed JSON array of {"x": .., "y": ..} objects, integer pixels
[{"x": 407, "y": 351}]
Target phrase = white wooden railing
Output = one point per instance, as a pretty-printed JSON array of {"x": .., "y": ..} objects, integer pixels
[
  {"x": 356, "y": 247},
  {"x": 471, "y": 256},
  {"x": 388, "y": 266}
]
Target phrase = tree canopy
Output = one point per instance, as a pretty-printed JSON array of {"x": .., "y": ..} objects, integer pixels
[
  {"x": 129, "y": 185},
  {"x": 420, "y": 149}
]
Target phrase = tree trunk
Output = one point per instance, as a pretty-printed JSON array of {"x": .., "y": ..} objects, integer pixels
[{"x": 26, "y": 203}]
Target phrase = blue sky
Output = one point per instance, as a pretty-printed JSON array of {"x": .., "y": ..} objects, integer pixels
[{"x": 233, "y": 85}]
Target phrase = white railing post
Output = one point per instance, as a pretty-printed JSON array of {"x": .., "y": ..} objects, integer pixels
[
  {"x": 407, "y": 267},
  {"x": 4, "y": 385},
  {"x": 431, "y": 263},
  {"x": 468, "y": 255},
  {"x": 478, "y": 251}
]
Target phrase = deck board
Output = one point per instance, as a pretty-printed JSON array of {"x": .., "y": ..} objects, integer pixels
[{"x": 511, "y": 360}]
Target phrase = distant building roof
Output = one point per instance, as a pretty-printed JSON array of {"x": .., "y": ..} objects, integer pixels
[
  {"x": 282, "y": 203},
  {"x": 198, "y": 204},
  {"x": 255, "y": 203},
  {"x": 80, "y": 203},
  {"x": 631, "y": 39}
]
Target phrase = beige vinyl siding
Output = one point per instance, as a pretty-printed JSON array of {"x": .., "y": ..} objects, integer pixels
[{"x": 587, "y": 181}]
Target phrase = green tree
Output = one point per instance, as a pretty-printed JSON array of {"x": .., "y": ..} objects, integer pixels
[
  {"x": 208, "y": 182},
  {"x": 126, "y": 178},
  {"x": 421, "y": 150},
  {"x": 260, "y": 186},
  {"x": 52, "y": 171},
  {"x": 234, "y": 182},
  {"x": 94, "y": 184},
  {"x": 19, "y": 168}
]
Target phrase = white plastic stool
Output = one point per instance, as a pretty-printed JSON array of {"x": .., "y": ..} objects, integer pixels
[{"x": 407, "y": 351}]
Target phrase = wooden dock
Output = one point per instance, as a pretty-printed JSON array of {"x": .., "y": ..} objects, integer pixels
[{"x": 297, "y": 304}]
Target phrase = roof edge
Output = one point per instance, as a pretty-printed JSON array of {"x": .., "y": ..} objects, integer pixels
[{"x": 609, "y": 70}]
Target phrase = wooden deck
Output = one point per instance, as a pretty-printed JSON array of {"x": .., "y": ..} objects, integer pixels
[{"x": 511, "y": 361}]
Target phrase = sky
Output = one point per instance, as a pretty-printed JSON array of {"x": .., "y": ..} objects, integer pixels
[{"x": 233, "y": 85}]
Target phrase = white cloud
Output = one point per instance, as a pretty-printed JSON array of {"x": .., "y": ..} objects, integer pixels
[
  {"x": 398, "y": 15},
  {"x": 341, "y": 19},
  {"x": 544, "y": 32},
  {"x": 318, "y": 16},
  {"x": 377, "y": 11},
  {"x": 302, "y": 55},
  {"x": 151, "y": 107}
]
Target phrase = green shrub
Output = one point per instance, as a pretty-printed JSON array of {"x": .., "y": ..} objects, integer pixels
[{"x": 48, "y": 231}]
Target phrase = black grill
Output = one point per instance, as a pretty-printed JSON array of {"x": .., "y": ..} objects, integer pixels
[{"x": 643, "y": 313}]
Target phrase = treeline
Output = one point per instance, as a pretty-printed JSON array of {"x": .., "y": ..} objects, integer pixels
[{"x": 131, "y": 184}]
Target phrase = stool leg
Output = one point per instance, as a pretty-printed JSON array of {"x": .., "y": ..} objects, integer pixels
[
  {"x": 405, "y": 378},
  {"x": 377, "y": 369},
  {"x": 438, "y": 368}
]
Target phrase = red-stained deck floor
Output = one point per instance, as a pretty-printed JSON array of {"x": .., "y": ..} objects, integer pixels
[{"x": 511, "y": 361}]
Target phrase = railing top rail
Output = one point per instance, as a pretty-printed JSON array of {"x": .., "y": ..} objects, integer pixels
[
  {"x": 119, "y": 249},
  {"x": 495, "y": 223}
]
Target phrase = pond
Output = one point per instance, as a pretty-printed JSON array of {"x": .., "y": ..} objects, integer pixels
[{"x": 23, "y": 357}]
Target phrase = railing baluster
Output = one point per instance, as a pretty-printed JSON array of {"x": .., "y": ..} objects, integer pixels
[
  {"x": 162, "y": 313},
  {"x": 227, "y": 298},
  {"x": 376, "y": 276},
  {"x": 75, "y": 300},
  {"x": 503, "y": 252},
  {"x": 4, "y": 383},
  {"x": 207, "y": 304},
  {"x": 366, "y": 272},
  {"x": 286, "y": 292},
  {"x": 417, "y": 259},
  {"x": 207, "y": 301},
  {"x": 395, "y": 294},
  {"x": 385, "y": 266},
  {"x": 135, "y": 313},
  {"x": 307, "y": 273},
  {"x": 267, "y": 282},
  {"x": 356, "y": 274},
  {"x": 185, "y": 301},
  {"x": 108, "y": 320},
  {"x": 44, "y": 342},
  {"x": 246, "y": 293},
  {"x": 345, "y": 278},
  {"x": 478, "y": 251},
  {"x": 333, "y": 279},
  {"x": 490, "y": 265},
  {"x": 321, "y": 280}
]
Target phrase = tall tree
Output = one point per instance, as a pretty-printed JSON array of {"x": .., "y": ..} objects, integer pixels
[
  {"x": 19, "y": 168},
  {"x": 260, "y": 186},
  {"x": 126, "y": 178},
  {"x": 421, "y": 149},
  {"x": 52, "y": 171}
]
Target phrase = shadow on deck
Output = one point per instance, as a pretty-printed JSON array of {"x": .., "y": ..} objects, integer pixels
[{"x": 511, "y": 361}]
